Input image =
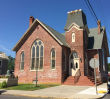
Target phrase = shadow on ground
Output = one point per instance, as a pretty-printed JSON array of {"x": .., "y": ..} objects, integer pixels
[
  {"x": 104, "y": 96},
  {"x": 2, "y": 91}
]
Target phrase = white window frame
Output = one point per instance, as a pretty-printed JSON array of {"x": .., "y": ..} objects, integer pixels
[
  {"x": 21, "y": 61},
  {"x": 51, "y": 59},
  {"x": 73, "y": 37},
  {"x": 36, "y": 56}
]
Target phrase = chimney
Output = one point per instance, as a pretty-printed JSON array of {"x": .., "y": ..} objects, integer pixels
[
  {"x": 99, "y": 26},
  {"x": 31, "y": 20}
]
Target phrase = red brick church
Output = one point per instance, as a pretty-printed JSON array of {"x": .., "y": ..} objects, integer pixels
[{"x": 62, "y": 58}]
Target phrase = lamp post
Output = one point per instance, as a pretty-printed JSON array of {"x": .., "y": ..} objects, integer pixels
[{"x": 36, "y": 75}]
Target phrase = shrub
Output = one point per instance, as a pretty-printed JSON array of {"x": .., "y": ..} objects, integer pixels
[
  {"x": 3, "y": 84},
  {"x": 0, "y": 85}
]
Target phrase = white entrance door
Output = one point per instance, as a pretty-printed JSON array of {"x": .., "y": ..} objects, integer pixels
[
  {"x": 73, "y": 63},
  {"x": 75, "y": 66}
]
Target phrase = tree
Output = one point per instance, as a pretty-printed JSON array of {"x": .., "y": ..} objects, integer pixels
[{"x": 11, "y": 63}]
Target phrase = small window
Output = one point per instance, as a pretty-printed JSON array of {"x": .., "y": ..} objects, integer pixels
[
  {"x": 22, "y": 61},
  {"x": 0, "y": 63},
  {"x": 53, "y": 59},
  {"x": 73, "y": 37}
]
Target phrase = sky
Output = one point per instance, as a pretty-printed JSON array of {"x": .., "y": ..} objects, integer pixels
[{"x": 14, "y": 17}]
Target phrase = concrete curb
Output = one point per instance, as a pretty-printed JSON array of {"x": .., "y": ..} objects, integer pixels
[{"x": 36, "y": 96}]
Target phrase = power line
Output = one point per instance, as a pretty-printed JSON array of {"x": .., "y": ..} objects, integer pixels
[
  {"x": 93, "y": 13},
  {"x": 104, "y": 16},
  {"x": 91, "y": 9}
]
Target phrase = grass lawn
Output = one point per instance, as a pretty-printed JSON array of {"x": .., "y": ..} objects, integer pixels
[{"x": 30, "y": 87}]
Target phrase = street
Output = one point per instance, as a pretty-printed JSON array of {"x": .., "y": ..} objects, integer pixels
[
  {"x": 19, "y": 97},
  {"x": 106, "y": 96}
]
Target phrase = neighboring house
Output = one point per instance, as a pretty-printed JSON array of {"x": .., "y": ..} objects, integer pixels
[
  {"x": 62, "y": 58},
  {"x": 3, "y": 63}
]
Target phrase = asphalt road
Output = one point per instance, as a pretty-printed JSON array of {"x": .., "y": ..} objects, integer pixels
[
  {"x": 106, "y": 96},
  {"x": 18, "y": 97}
]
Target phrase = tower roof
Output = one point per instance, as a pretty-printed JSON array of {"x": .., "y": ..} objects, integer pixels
[{"x": 78, "y": 17}]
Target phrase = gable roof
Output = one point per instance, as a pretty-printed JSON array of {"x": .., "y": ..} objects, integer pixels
[
  {"x": 95, "y": 40},
  {"x": 56, "y": 35}
]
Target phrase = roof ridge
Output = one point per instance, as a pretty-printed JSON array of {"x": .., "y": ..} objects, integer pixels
[
  {"x": 49, "y": 26},
  {"x": 97, "y": 27},
  {"x": 57, "y": 34}
]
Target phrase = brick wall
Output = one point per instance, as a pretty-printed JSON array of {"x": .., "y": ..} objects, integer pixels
[
  {"x": 47, "y": 75},
  {"x": 65, "y": 71},
  {"x": 78, "y": 45}
]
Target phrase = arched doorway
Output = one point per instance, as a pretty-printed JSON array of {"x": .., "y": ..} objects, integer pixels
[{"x": 73, "y": 63}]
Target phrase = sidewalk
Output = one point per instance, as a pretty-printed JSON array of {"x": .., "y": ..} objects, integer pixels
[{"x": 63, "y": 91}]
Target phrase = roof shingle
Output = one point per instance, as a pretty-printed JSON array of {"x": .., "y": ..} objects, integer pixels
[
  {"x": 94, "y": 39},
  {"x": 78, "y": 17}
]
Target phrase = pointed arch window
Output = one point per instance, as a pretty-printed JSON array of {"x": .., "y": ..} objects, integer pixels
[
  {"x": 22, "y": 61},
  {"x": 53, "y": 56},
  {"x": 75, "y": 55},
  {"x": 37, "y": 55}
]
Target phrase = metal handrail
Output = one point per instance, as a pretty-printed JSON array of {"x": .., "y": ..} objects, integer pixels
[{"x": 77, "y": 76}]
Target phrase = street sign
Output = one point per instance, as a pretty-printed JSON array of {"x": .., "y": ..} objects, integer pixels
[{"x": 94, "y": 63}]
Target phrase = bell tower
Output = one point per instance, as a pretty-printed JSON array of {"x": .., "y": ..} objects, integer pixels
[{"x": 76, "y": 35}]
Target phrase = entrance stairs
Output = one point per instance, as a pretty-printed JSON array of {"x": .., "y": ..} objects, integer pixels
[
  {"x": 93, "y": 80},
  {"x": 81, "y": 81}
]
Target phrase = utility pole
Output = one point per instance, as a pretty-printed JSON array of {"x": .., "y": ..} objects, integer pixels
[{"x": 95, "y": 76}]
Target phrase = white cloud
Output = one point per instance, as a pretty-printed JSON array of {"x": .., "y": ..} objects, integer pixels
[
  {"x": 7, "y": 51},
  {"x": 4, "y": 48}
]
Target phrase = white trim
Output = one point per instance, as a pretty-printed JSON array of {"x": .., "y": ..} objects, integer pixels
[
  {"x": 70, "y": 70},
  {"x": 36, "y": 70},
  {"x": 21, "y": 70},
  {"x": 37, "y": 40},
  {"x": 50, "y": 32},
  {"x": 24, "y": 34},
  {"x": 51, "y": 59},
  {"x": 36, "y": 20},
  {"x": 74, "y": 11},
  {"x": 73, "y": 25},
  {"x": 21, "y": 60},
  {"x": 73, "y": 37}
]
